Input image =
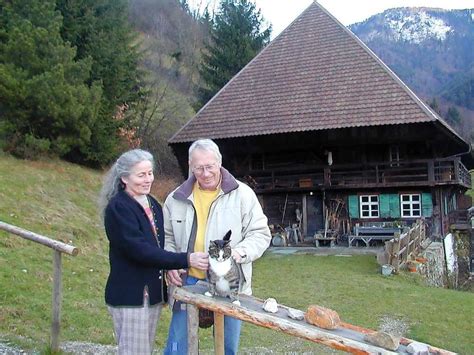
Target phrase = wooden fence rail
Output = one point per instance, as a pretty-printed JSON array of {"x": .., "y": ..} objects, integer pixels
[
  {"x": 405, "y": 247},
  {"x": 58, "y": 247},
  {"x": 346, "y": 337}
]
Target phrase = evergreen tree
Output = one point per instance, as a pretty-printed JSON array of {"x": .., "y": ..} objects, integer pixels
[
  {"x": 100, "y": 30},
  {"x": 236, "y": 37},
  {"x": 44, "y": 101},
  {"x": 435, "y": 106},
  {"x": 453, "y": 117}
]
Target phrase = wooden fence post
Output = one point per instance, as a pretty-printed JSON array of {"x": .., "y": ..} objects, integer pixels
[
  {"x": 410, "y": 244},
  {"x": 193, "y": 329},
  {"x": 418, "y": 235},
  {"x": 58, "y": 248},
  {"x": 396, "y": 250},
  {"x": 389, "y": 251},
  {"x": 218, "y": 333},
  {"x": 57, "y": 296}
]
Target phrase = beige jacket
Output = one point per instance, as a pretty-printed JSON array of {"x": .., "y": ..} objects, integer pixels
[{"x": 236, "y": 208}]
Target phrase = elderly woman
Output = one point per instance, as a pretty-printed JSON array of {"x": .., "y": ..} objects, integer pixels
[{"x": 133, "y": 219}]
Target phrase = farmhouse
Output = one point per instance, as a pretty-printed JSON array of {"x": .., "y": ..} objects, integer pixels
[{"x": 330, "y": 138}]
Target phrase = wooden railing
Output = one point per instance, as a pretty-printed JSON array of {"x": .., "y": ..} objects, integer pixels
[
  {"x": 458, "y": 217},
  {"x": 425, "y": 172},
  {"x": 406, "y": 246},
  {"x": 347, "y": 337},
  {"x": 58, "y": 247}
]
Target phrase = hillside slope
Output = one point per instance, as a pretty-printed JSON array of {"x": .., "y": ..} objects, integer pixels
[{"x": 55, "y": 199}]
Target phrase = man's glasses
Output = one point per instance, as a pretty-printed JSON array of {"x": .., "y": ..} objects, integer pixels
[{"x": 201, "y": 168}]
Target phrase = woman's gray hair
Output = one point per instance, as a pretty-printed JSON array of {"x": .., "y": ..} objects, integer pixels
[
  {"x": 206, "y": 145},
  {"x": 121, "y": 168}
]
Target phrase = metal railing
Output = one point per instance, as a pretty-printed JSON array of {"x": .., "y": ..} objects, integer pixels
[{"x": 58, "y": 247}]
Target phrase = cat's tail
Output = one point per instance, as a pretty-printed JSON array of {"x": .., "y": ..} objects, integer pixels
[{"x": 227, "y": 235}]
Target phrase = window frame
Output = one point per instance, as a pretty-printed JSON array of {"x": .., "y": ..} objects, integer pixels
[
  {"x": 370, "y": 204},
  {"x": 410, "y": 203}
]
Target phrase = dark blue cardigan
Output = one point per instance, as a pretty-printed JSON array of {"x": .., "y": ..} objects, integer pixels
[{"x": 136, "y": 259}]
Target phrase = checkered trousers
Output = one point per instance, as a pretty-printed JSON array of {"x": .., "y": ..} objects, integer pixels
[{"x": 135, "y": 328}]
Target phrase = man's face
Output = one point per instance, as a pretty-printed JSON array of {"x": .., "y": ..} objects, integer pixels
[{"x": 205, "y": 168}]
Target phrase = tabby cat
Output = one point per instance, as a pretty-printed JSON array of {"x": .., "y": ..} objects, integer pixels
[{"x": 224, "y": 274}]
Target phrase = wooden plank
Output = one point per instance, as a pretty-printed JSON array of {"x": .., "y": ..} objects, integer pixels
[
  {"x": 404, "y": 341},
  {"x": 193, "y": 329},
  {"x": 347, "y": 337},
  {"x": 251, "y": 311}
]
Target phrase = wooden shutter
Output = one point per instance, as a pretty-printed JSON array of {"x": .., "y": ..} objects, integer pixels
[
  {"x": 426, "y": 204},
  {"x": 353, "y": 206},
  {"x": 395, "y": 206},
  {"x": 389, "y": 205},
  {"x": 384, "y": 205}
]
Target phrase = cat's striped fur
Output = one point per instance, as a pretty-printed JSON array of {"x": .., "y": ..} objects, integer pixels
[{"x": 224, "y": 274}]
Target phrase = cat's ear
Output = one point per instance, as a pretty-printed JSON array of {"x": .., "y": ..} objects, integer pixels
[
  {"x": 212, "y": 243},
  {"x": 227, "y": 235},
  {"x": 226, "y": 242}
]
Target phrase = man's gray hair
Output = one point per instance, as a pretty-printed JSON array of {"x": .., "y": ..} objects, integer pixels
[
  {"x": 121, "y": 168},
  {"x": 207, "y": 145}
]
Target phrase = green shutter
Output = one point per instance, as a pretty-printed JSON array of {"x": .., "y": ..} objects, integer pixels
[
  {"x": 353, "y": 206},
  {"x": 394, "y": 205},
  {"x": 426, "y": 204},
  {"x": 384, "y": 205}
]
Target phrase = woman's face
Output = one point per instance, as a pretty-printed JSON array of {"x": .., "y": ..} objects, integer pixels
[{"x": 140, "y": 179}]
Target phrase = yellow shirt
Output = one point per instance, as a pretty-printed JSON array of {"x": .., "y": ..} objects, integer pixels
[{"x": 202, "y": 203}]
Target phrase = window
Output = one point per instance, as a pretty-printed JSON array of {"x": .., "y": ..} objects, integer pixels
[
  {"x": 369, "y": 206},
  {"x": 394, "y": 155},
  {"x": 410, "y": 205}
]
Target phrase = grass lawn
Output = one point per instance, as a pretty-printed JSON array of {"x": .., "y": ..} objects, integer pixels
[{"x": 58, "y": 200}]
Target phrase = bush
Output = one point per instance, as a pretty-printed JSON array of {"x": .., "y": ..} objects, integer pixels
[{"x": 28, "y": 147}]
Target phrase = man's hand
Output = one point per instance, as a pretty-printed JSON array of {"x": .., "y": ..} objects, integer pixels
[
  {"x": 199, "y": 260},
  {"x": 236, "y": 256},
  {"x": 173, "y": 277}
]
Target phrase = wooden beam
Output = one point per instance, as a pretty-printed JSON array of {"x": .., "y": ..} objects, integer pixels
[
  {"x": 251, "y": 311},
  {"x": 38, "y": 238},
  {"x": 305, "y": 216},
  {"x": 347, "y": 337}
]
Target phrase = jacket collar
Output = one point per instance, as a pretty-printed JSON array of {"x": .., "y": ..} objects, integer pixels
[{"x": 228, "y": 183}]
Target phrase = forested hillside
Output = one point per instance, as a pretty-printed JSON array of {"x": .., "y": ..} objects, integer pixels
[
  {"x": 171, "y": 38},
  {"x": 85, "y": 80}
]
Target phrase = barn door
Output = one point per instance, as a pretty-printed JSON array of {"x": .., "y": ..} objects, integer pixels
[{"x": 314, "y": 212}]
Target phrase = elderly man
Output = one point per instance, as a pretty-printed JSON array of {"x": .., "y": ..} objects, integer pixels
[{"x": 202, "y": 209}]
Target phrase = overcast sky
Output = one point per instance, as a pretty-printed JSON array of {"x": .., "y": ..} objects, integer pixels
[{"x": 280, "y": 13}]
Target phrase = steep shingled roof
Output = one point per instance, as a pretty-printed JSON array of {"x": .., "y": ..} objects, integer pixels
[{"x": 315, "y": 75}]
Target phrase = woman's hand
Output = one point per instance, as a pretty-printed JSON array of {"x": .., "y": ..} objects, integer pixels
[
  {"x": 173, "y": 277},
  {"x": 199, "y": 260}
]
